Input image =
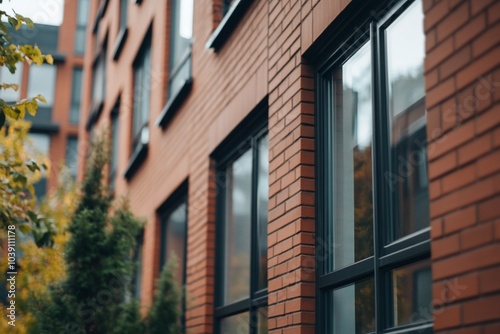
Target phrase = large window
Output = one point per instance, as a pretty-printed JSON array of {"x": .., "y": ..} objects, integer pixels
[
  {"x": 142, "y": 94},
  {"x": 123, "y": 14},
  {"x": 76, "y": 95},
  {"x": 10, "y": 95},
  {"x": 241, "y": 274},
  {"x": 373, "y": 223},
  {"x": 82, "y": 15}
]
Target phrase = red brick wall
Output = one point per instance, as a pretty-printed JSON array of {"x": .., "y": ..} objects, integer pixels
[{"x": 463, "y": 94}]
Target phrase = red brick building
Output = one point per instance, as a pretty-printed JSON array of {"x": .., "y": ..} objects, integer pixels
[{"x": 318, "y": 166}]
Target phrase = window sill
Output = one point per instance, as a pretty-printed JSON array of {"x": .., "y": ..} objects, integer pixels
[
  {"x": 227, "y": 25},
  {"x": 94, "y": 115},
  {"x": 136, "y": 161},
  {"x": 44, "y": 128},
  {"x": 173, "y": 104},
  {"x": 59, "y": 58},
  {"x": 120, "y": 42}
]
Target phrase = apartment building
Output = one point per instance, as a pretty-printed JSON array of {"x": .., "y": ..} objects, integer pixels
[
  {"x": 316, "y": 166},
  {"x": 54, "y": 130}
]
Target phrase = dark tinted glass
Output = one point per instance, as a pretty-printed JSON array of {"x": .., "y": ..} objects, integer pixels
[
  {"x": 352, "y": 308},
  {"x": 238, "y": 323},
  {"x": 76, "y": 96},
  {"x": 411, "y": 293},
  {"x": 174, "y": 239},
  {"x": 238, "y": 229},
  {"x": 407, "y": 178}
]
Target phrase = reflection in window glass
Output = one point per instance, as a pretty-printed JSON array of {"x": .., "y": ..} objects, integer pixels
[
  {"x": 411, "y": 293},
  {"x": 115, "y": 130},
  {"x": 262, "y": 200},
  {"x": 137, "y": 275},
  {"x": 76, "y": 96},
  {"x": 99, "y": 78},
  {"x": 72, "y": 155},
  {"x": 10, "y": 95},
  {"x": 262, "y": 319},
  {"x": 238, "y": 228},
  {"x": 353, "y": 308},
  {"x": 123, "y": 14},
  {"x": 174, "y": 227},
  {"x": 352, "y": 146},
  {"x": 235, "y": 324},
  {"x": 180, "y": 44},
  {"x": 405, "y": 57},
  {"x": 42, "y": 80}
]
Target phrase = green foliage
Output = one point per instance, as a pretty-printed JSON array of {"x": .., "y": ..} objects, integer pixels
[
  {"x": 164, "y": 315},
  {"x": 129, "y": 321},
  {"x": 98, "y": 263},
  {"x": 18, "y": 173},
  {"x": 10, "y": 55}
]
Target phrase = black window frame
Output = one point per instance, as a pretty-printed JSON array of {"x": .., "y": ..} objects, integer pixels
[
  {"x": 246, "y": 136},
  {"x": 232, "y": 15},
  {"x": 343, "y": 42},
  {"x": 178, "y": 197}
]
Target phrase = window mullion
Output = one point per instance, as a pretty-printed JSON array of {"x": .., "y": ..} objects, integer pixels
[{"x": 380, "y": 212}]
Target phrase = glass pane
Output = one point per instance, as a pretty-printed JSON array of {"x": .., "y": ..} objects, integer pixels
[
  {"x": 238, "y": 229},
  {"x": 10, "y": 95},
  {"x": 352, "y": 150},
  {"x": 114, "y": 145},
  {"x": 408, "y": 176},
  {"x": 136, "y": 280},
  {"x": 262, "y": 325},
  {"x": 411, "y": 293},
  {"x": 76, "y": 96},
  {"x": 174, "y": 239},
  {"x": 42, "y": 80},
  {"x": 353, "y": 308},
  {"x": 123, "y": 13},
  {"x": 142, "y": 90},
  {"x": 262, "y": 200},
  {"x": 72, "y": 155},
  {"x": 235, "y": 324}
]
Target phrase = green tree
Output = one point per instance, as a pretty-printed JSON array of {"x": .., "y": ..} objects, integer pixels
[
  {"x": 164, "y": 315},
  {"x": 91, "y": 298}
]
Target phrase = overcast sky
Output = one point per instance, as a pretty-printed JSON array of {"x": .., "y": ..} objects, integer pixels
[{"x": 40, "y": 11}]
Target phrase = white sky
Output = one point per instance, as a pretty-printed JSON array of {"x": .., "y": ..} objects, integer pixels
[{"x": 40, "y": 11}]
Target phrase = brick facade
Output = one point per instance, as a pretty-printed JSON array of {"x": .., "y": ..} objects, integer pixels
[{"x": 263, "y": 58}]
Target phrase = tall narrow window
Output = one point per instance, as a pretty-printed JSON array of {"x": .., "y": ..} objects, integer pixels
[
  {"x": 373, "y": 186},
  {"x": 82, "y": 15},
  {"x": 115, "y": 140},
  {"x": 72, "y": 155},
  {"x": 39, "y": 143},
  {"x": 241, "y": 296},
  {"x": 137, "y": 273},
  {"x": 173, "y": 239},
  {"x": 180, "y": 46},
  {"x": 76, "y": 96},
  {"x": 99, "y": 79},
  {"x": 142, "y": 95},
  {"x": 10, "y": 95}
]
